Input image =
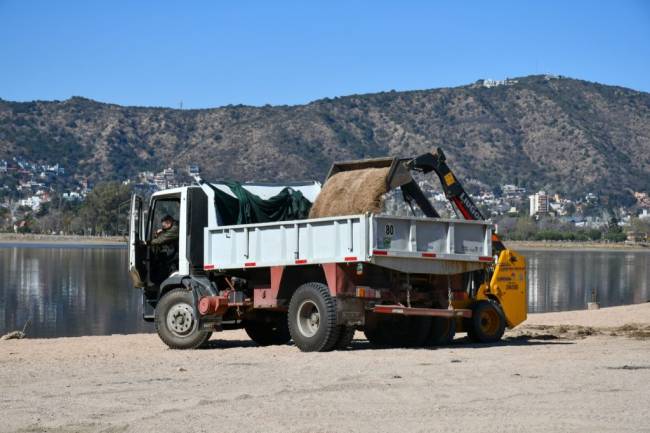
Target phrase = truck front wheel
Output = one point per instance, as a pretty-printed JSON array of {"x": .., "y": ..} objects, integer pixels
[
  {"x": 312, "y": 318},
  {"x": 176, "y": 323}
]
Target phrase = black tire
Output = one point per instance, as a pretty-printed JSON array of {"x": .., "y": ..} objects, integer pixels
[
  {"x": 488, "y": 323},
  {"x": 396, "y": 331},
  {"x": 269, "y": 330},
  {"x": 442, "y": 331},
  {"x": 377, "y": 330},
  {"x": 312, "y": 318},
  {"x": 419, "y": 331},
  {"x": 346, "y": 335},
  {"x": 176, "y": 323}
]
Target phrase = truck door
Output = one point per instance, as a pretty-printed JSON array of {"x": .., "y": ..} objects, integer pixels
[
  {"x": 165, "y": 229},
  {"x": 137, "y": 248}
]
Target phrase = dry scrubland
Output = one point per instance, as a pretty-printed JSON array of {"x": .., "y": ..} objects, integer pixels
[{"x": 573, "y": 371}]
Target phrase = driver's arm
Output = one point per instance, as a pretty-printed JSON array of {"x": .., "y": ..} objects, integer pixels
[{"x": 166, "y": 236}]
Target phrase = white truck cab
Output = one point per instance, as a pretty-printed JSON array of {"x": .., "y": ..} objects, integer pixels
[
  {"x": 143, "y": 226},
  {"x": 188, "y": 206}
]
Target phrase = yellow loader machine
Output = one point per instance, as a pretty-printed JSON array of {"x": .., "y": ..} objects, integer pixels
[{"x": 482, "y": 303}]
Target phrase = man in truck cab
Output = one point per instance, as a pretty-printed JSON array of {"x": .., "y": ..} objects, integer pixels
[
  {"x": 167, "y": 233},
  {"x": 164, "y": 248}
]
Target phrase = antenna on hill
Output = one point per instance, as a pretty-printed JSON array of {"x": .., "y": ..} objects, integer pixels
[{"x": 180, "y": 105}]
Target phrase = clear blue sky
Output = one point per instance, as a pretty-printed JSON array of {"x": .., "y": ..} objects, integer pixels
[{"x": 216, "y": 53}]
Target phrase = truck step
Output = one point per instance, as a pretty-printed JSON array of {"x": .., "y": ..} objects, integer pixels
[{"x": 148, "y": 310}]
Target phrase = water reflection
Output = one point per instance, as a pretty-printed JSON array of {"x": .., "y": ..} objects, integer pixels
[
  {"x": 565, "y": 280},
  {"x": 84, "y": 290},
  {"x": 68, "y": 291}
]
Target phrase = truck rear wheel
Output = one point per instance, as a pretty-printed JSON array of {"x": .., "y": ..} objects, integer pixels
[
  {"x": 176, "y": 322},
  {"x": 272, "y": 329},
  {"x": 442, "y": 331},
  {"x": 383, "y": 330},
  {"x": 378, "y": 331},
  {"x": 488, "y": 323},
  {"x": 346, "y": 335},
  {"x": 396, "y": 331},
  {"x": 312, "y": 318}
]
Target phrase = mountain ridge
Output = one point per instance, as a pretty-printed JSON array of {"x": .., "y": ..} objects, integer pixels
[{"x": 561, "y": 134}]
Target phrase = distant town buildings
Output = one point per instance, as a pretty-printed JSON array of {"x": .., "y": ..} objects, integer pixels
[
  {"x": 25, "y": 187},
  {"x": 591, "y": 198},
  {"x": 511, "y": 191},
  {"x": 33, "y": 202},
  {"x": 72, "y": 196},
  {"x": 150, "y": 181},
  {"x": 165, "y": 179}
]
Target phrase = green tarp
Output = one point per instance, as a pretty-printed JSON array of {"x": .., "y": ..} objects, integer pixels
[{"x": 249, "y": 208}]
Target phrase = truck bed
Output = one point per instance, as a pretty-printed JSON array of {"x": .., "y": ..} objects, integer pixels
[{"x": 414, "y": 245}]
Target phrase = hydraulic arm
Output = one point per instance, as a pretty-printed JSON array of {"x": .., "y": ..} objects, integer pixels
[{"x": 454, "y": 191}]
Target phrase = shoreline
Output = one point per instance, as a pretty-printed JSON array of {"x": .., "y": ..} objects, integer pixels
[
  {"x": 568, "y": 246},
  {"x": 14, "y": 238}
]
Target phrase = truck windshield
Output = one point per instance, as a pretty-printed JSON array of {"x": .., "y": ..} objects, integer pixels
[{"x": 162, "y": 208}]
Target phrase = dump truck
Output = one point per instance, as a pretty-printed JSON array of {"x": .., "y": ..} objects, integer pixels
[{"x": 403, "y": 281}]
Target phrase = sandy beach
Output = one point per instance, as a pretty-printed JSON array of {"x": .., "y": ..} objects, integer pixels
[{"x": 571, "y": 371}]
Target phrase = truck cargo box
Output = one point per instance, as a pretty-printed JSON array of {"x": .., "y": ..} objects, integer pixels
[{"x": 415, "y": 245}]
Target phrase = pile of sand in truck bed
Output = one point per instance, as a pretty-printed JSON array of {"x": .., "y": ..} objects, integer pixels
[{"x": 351, "y": 192}]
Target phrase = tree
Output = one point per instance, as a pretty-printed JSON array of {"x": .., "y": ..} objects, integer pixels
[
  {"x": 614, "y": 231},
  {"x": 613, "y": 227},
  {"x": 104, "y": 207},
  {"x": 524, "y": 229},
  {"x": 5, "y": 218},
  {"x": 639, "y": 225}
]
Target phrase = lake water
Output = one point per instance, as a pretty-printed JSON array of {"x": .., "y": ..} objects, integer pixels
[{"x": 85, "y": 289}]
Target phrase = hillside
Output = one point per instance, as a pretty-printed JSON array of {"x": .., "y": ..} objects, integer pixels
[{"x": 563, "y": 135}]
